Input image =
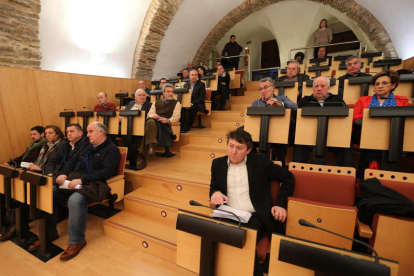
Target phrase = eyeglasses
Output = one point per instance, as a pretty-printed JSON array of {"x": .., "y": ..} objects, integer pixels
[
  {"x": 384, "y": 83},
  {"x": 265, "y": 88}
]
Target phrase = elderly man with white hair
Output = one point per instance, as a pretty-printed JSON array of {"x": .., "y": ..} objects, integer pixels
[{"x": 321, "y": 98}]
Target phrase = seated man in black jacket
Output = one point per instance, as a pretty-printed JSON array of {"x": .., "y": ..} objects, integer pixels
[
  {"x": 223, "y": 88},
  {"x": 75, "y": 141},
  {"x": 321, "y": 98},
  {"x": 292, "y": 74},
  {"x": 198, "y": 95},
  {"x": 86, "y": 174},
  {"x": 243, "y": 181},
  {"x": 353, "y": 69}
]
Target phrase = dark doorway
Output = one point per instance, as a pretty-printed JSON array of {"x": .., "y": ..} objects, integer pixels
[{"x": 270, "y": 54}]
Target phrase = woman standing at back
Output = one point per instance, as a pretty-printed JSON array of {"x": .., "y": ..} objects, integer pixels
[{"x": 322, "y": 36}]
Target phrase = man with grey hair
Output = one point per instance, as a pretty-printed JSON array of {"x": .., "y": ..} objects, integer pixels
[
  {"x": 269, "y": 99},
  {"x": 162, "y": 114},
  {"x": 353, "y": 69},
  {"x": 84, "y": 178},
  {"x": 321, "y": 98},
  {"x": 292, "y": 74}
]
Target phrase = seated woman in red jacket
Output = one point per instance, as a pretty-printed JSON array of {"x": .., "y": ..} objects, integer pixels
[{"x": 384, "y": 85}]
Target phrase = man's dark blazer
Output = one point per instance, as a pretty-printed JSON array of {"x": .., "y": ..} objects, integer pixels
[
  {"x": 260, "y": 173},
  {"x": 145, "y": 106},
  {"x": 198, "y": 95}
]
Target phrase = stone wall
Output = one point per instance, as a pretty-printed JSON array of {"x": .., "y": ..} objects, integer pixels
[
  {"x": 19, "y": 33},
  {"x": 364, "y": 19},
  {"x": 158, "y": 18}
]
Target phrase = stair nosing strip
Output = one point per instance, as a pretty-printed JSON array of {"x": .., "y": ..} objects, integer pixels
[
  {"x": 175, "y": 179},
  {"x": 144, "y": 234},
  {"x": 157, "y": 203}
]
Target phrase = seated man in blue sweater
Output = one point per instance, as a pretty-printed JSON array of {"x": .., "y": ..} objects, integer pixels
[
  {"x": 269, "y": 99},
  {"x": 87, "y": 172}
]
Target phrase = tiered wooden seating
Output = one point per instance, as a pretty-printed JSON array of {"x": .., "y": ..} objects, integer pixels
[
  {"x": 227, "y": 120},
  {"x": 393, "y": 236},
  {"x": 352, "y": 90},
  {"x": 280, "y": 267},
  {"x": 290, "y": 92},
  {"x": 323, "y": 195}
]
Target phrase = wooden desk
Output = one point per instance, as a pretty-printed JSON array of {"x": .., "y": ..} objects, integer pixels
[
  {"x": 138, "y": 125},
  {"x": 339, "y": 130},
  {"x": 229, "y": 260},
  {"x": 281, "y": 268},
  {"x": 278, "y": 127},
  {"x": 113, "y": 123},
  {"x": 375, "y": 133},
  {"x": 44, "y": 195}
]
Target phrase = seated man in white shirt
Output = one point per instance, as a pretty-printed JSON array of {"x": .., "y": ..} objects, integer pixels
[{"x": 243, "y": 181}]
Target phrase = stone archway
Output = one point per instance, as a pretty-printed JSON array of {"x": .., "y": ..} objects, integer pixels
[
  {"x": 159, "y": 16},
  {"x": 364, "y": 19},
  {"x": 161, "y": 13}
]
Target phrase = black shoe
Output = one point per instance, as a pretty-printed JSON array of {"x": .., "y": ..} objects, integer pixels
[
  {"x": 207, "y": 111},
  {"x": 141, "y": 162},
  {"x": 9, "y": 235}
]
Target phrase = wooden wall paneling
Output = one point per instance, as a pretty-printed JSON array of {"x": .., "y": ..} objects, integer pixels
[
  {"x": 5, "y": 145},
  {"x": 55, "y": 94},
  {"x": 85, "y": 89},
  {"x": 409, "y": 63},
  {"x": 111, "y": 86},
  {"x": 131, "y": 85},
  {"x": 20, "y": 106}
]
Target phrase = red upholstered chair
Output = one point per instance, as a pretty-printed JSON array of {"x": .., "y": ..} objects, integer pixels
[
  {"x": 324, "y": 196},
  {"x": 393, "y": 237},
  {"x": 263, "y": 246}
]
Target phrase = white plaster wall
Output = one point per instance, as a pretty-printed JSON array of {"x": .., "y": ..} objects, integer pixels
[
  {"x": 397, "y": 18},
  {"x": 70, "y": 30},
  {"x": 96, "y": 37},
  {"x": 191, "y": 24}
]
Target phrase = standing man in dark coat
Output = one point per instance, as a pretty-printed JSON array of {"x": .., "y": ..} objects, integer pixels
[
  {"x": 243, "y": 180},
  {"x": 232, "y": 48},
  {"x": 198, "y": 95}
]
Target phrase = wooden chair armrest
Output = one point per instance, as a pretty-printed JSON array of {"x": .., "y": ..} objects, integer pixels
[
  {"x": 364, "y": 230},
  {"x": 205, "y": 101},
  {"x": 176, "y": 124}
]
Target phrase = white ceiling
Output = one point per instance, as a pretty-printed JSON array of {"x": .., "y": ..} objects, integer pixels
[{"x": 99, "y": 36}]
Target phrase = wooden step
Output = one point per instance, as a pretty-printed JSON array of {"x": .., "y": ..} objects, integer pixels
[
  {"x": 238, "y": 107},
  {"x": 146, "y": 234},
  {"x": 242, "y": 100},
  {"x": 176, "y": 187},
  {"x": 227, "y": 115},
  {"x": 253, "y": 93},
  {"x": 251, "y": 85},
  {"x": 207, "y": 140},
  {"x": 225, "y": 125},
  {"x": 201, "y": 153}
]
